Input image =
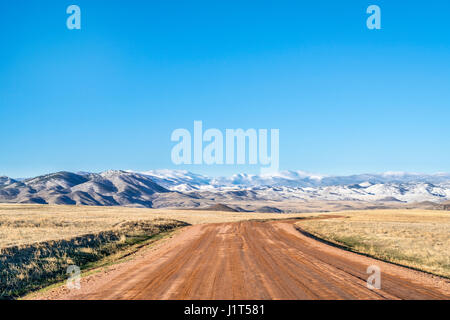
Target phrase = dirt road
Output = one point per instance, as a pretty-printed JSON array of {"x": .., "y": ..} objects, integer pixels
[{"x": 252, "y": 260}]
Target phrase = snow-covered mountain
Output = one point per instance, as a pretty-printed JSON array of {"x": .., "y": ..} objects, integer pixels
[
  {"x": 176, "y": 178},
  {"x": 111, "y": 188},
  {"x": 299, "y": 185},
  {"x": 176, "y": 188}
]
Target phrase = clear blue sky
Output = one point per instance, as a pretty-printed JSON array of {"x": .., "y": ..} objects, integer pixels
[{"x": 346, "y": 99}]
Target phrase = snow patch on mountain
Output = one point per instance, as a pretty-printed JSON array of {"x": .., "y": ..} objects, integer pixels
[{"x": 300, "y": 185}]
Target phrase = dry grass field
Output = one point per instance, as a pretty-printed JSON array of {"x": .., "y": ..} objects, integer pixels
[
  {"x": 39, "y": 242},
  {"x": 29, "y": 267},
  {"x": 415, "y": 238},
  {"x": 28, "y": 223}
]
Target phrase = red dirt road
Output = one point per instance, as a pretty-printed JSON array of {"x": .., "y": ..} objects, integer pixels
[{"x": 251, "y": 260}]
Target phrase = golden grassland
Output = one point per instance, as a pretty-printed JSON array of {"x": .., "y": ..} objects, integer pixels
[
  {"x": 414, "y": 238},
  {"x": 39, "y": 242},
  {"x": 26, "y": 224},
  {"x": 28, "y": 267}
]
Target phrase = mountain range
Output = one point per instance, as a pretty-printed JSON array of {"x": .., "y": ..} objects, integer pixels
[{"x": 289, "y": 190}]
